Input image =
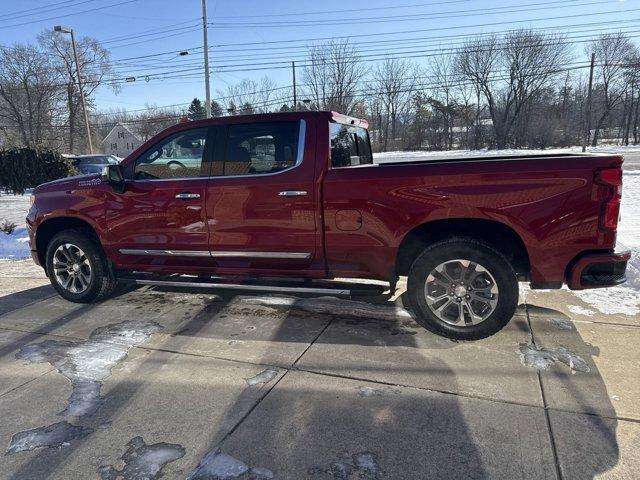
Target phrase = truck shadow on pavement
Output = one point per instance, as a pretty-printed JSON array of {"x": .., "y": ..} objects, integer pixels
[{"x": 327, "y": 415}]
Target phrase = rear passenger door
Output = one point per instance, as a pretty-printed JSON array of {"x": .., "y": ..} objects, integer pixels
[{"x": 261, "y": 198}]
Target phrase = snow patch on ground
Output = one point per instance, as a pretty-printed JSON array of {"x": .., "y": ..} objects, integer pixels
[
  {"x": 377, "y": 392},
  {"x": 576, "y": 309},
  {"x": 86, "y": 364},
  {"x": 263, "y": 377},
  {"x": 623, "y": 299},
  {"x": 15, "y": 246},
  {"x": 218, "y": 465},
  {"x": 542, "y": 358},
  {"x": 58, "y": 435},
  {"x": 142, "y": 461}
]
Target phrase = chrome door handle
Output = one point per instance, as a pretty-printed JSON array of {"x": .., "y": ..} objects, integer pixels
[
  {"x": 292, "y": 193},
  {"x": 187, "y": 195}
]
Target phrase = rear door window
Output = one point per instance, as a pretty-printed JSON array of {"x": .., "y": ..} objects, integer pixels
[
  {"x": 259, "y": 148},
  {"x": 349, "y": 145}
]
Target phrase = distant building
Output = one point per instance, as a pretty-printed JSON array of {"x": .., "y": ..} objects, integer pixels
[{"x": 120, "y": 141}]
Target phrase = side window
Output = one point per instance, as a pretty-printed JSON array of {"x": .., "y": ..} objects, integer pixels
[
  {"x": 349, "y": 145},
  {"x": 259, "y": 148},
  {"x": 178, "y": 156}
]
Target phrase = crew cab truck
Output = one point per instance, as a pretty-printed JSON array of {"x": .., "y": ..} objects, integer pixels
[{"x": 297, "y": 195}]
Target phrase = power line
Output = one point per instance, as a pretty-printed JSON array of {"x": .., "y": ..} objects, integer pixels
[
  {"x": 147, "y": 33},
  {"x": 368, "y": 9},
  {"x": 387, "y": 50},
  {"x": 548, "y": 5},
  {"x": 456, "y": 27},
  {"x": 362, "y": 58},
  {"x": 69, "y": 14},
  {"x": 437, "y": 38},
  {"x": 29, "y": 12}
]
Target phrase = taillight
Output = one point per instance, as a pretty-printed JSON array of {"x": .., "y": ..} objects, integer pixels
[{"x": 612, "y": 179}]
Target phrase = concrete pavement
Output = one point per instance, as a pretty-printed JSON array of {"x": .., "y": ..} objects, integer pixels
[{"x": 171, "y": 384}]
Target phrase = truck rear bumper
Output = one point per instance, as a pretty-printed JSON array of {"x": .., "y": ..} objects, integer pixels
[{"x": 596, "y": 270}]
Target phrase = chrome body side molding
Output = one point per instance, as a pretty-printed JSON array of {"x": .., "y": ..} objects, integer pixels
[
  {"x": 284, "y": 255},
  {"x": 165, "y": 253},
  {"x": 216, "y": 254}
]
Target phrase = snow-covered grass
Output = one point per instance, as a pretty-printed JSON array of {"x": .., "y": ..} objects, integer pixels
[
  {"x": 15, "y": 246},
  {"x": 625, "y": 298},
  {"x": 384, "y": 157},
  {"x": 13, "y": 209}
]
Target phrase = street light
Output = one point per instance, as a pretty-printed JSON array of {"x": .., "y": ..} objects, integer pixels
[{"x": 61, "y": 29}]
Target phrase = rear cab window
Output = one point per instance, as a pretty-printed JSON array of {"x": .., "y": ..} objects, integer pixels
[
  {"x": 260, "y": 148},
  {"x": 349, "y": 145}
]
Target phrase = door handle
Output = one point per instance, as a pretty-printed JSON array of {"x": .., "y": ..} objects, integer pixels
[
  {"x": 292, "y": 193},
  {"x": 187, "y": 195}
]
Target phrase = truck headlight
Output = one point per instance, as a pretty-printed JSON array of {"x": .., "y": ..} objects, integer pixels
[{"x": 32, "y": 200}]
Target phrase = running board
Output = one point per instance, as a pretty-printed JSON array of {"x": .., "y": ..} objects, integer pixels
[{"x": 337, "y": 289}]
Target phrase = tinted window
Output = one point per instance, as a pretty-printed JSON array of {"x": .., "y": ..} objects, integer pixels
[
  {"x": 349, "y": 145},
  {"x": 178, "y": 156},
  {"x": 258, "y": 148},
  {"x": 96, "y": 160}
]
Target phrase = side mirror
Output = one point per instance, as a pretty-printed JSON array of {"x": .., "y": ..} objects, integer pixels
[{"x": 112, "y": 174}]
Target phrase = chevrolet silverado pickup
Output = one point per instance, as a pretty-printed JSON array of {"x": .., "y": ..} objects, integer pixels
[{"x": 297, "y": 197}]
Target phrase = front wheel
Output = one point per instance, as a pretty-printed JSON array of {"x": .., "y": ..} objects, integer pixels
[
  {"x": 462, "y": 289},
  {"x": 78, "y": 268}
]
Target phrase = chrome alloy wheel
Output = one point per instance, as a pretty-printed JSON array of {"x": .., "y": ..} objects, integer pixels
[
  {"x": 71, "y": 268},
  {"x": 461, "y": 292}
]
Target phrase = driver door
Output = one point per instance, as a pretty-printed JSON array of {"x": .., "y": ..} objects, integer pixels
[{"x": 160, "y": 218}]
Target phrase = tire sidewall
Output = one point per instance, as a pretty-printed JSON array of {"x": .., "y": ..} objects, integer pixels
[
  {"x": 94, "y": 256},
  {"x": 491, "y": 260}
]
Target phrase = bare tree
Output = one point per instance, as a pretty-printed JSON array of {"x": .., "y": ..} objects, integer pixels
[
  {"x": 393, "y": 84},
  {"x": 445, "y": 78},
  {"x": 614, "y": 52},
  {"x": 95, "y": 66},
  {"x": 331, "y": 78},
  {"x": 251, "y": 96},
  {"x": 28, "y": 93},
  {"x": 511, "y": 72}
]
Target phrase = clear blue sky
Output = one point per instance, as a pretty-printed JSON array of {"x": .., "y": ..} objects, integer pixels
[{"x": 133, "y": 28}]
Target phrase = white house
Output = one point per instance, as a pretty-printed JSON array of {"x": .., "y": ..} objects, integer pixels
[{"x": 120, "y": 141}]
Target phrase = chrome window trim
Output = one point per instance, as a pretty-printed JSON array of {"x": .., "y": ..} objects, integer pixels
[
  {"x": 215, "y": 254},
  {"x": 176, "y": 179},
  {"x": 302, "y": 135}
]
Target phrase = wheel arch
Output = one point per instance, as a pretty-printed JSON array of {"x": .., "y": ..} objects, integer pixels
[
  {"x": 502, "y": 237},
  {"x": 49, "y": 227}
]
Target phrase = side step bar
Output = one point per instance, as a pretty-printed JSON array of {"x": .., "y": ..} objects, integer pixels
[{"x": 341, "y": 289}]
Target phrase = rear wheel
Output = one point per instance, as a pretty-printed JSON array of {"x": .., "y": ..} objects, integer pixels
[
  {"x": 462, "y": 289},
  {"x": 78, "y": 267}
]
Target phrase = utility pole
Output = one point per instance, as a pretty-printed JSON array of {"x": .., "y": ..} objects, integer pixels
[
  {"x": 59, "y": 28},
  {"x": 587, "y": 133},
  {"x": 295, "y": 95},
  {"x": 207, "y": 90}
]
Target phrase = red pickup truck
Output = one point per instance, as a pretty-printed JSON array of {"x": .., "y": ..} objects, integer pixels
[{"x": 286, "y": 196}]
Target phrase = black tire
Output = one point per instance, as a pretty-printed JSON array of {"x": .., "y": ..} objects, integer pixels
[
  {"x": 102, "y": 281},
  {"x": 478, "y": 252}
]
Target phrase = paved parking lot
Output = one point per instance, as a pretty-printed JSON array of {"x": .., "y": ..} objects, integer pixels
[{"x": 172, "y": 384}]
